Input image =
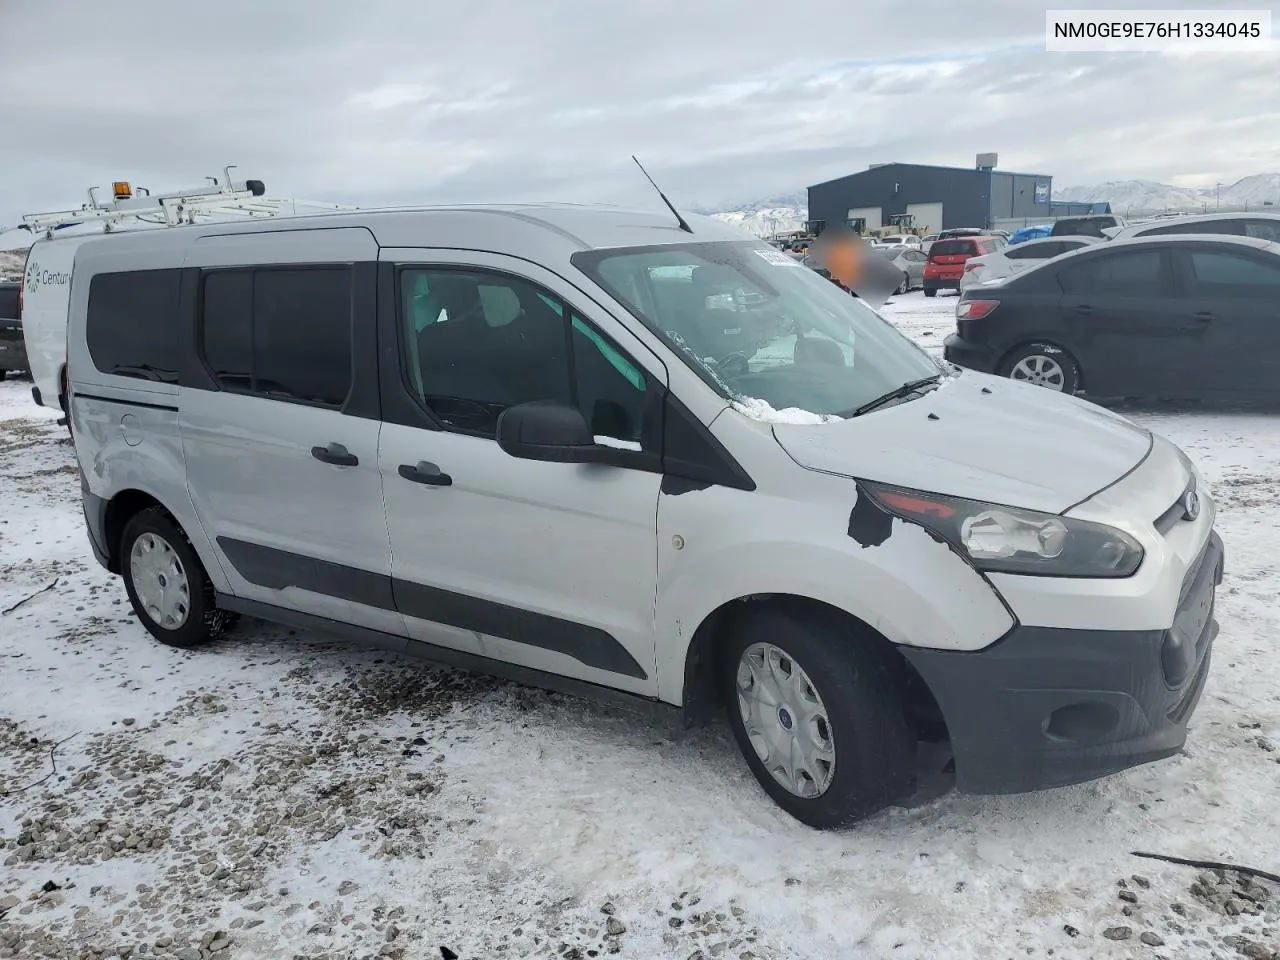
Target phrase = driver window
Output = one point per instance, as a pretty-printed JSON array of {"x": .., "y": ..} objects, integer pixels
[{"x": 479, "y": 342}]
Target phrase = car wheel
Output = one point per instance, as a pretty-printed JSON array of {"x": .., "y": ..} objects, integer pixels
[
  {"x": 904, "y": 286},
  {"x": 166, "y": 582},
  {"x": 1043, "y": 365},
  {"x": 818, "y": 716}
]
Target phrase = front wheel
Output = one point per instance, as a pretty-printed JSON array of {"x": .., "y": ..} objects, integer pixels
[
  {"x": 1043, "y": 365},
  {"x": 818, "y": 716},
  {"x": 904, "y": 286}
]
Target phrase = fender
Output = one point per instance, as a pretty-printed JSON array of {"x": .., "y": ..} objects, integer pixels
[{"x": 904, "y": 583}]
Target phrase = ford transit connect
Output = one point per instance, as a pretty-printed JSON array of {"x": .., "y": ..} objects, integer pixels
[{"x": 588, "y": 449}]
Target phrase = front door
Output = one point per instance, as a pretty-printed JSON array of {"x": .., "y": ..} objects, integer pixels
[
  {"x": 1128, "y": 330},
  {"x": 1233, "y": 296},
  {"x": 548, "y": 566},
  {"x": 279, "y": 421}
]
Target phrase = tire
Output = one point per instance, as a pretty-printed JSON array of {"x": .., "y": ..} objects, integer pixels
[
  {"x": 872, "y": 747},
  {"x": 930, "y": 291},
  {"x": 904, "y": 286},
  {"x": 3, "y": 373},
  {"x": 1044, "y": 365},
  {"x": 166, "y": 555}
]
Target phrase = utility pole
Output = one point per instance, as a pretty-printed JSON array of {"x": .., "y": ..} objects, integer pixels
[{"x": 1219, "y": 203}]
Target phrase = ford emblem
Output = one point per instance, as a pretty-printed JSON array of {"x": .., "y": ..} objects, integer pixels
[{"x": 1190, "y": 505}]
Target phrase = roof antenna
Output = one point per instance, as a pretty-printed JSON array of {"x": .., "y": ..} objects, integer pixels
[{"x": 670, "y": 206}]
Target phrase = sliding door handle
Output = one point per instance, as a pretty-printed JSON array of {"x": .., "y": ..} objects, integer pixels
[{"x": 336, "y": 454}]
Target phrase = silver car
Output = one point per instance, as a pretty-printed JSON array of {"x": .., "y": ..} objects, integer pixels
[{"x": 908, "y": 259}]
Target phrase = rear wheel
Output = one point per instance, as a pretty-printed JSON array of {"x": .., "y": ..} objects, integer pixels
[
  {"x": 930, "y": 291},
  {"x": 905, "y": 285},
  {"x": 1043, "y": 365},
  {"x": 167, "y": 585},
  {"x": 818, "y": 716}
]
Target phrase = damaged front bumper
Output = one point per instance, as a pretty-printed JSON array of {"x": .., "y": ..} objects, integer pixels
[{"x": 1050, "y": 706}]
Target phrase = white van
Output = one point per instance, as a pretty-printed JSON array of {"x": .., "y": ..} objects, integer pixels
[
  {"x": 588, "y": 449},
  {"x": 46, "y": 292}
]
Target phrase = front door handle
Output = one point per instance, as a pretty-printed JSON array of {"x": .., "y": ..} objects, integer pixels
[
  {"x": 336, "y": 454},
  {"x": 425, "y": 472},
  {"x": 1204, "y": 316},
  {"x": 1084, "y": 309}
]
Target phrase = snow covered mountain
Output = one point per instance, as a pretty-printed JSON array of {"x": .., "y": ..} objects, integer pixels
[
  {"x": 1148, "y": 196},
  {"x": 778, "y": 214}
]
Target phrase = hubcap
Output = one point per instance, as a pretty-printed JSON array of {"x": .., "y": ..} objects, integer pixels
[
  {"x": 786, "y": 720},
  {"x": 1040, "y": 370},
  {"x": 160, "y": 581}
]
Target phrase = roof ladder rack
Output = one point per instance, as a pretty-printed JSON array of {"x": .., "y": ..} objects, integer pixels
[{"x": 226, "y": 197}]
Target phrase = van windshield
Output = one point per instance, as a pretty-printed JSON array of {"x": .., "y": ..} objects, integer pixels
[{"x": 764, "y": 330}]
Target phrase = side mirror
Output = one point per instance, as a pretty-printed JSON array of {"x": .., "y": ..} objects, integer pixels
[{"x": 551, "y": 432}]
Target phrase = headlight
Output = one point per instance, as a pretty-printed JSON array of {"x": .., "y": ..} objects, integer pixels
[{"x": 1011, "y": 540}]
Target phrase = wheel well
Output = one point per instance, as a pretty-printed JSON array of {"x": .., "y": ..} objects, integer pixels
[
  {"x": 123, "y": 507},
  {"x": 1004, "y": 360},
  {"x": 702, "y": 699}
]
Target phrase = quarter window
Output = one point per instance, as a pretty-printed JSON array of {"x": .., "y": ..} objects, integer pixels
[
  {"x": 1234, "y": 276},
  {"x": 1263, "y": 229},
  {"x": 283, "y": 332},
  {"x": 131, "y": 324},
  {"x": 477, "y": 343}
]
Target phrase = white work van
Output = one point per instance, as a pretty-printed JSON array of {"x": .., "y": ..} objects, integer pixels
[{"x": 653, "y": 462}]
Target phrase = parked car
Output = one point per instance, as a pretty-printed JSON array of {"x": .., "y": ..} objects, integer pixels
[
  {"x": 1094, "y": 225},
  {"x": 1265, "y": 226},
  {"x": 1034, "y": 232},
  {"x": 900, "y": 240},
  {"x": 948, "y": 256},
  {"x": 907, "y": 259},
  {"x": 1170, "y": 318},
  {"x": 521, "y": 441},
  {"x": 1007, "y": 261},
  {"x": 13, "y": 350}
]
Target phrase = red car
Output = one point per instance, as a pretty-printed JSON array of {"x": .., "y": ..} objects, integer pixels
[{"x": 947, "y": 259}]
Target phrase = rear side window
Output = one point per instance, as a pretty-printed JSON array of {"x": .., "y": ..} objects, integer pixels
[
  {"x": 282, "y": 332},
  {"x": 131, "y": 325},
  {"x": 1040, "y": 251},
  {"x": 1136, "y": 273},
  {"x": 953, "y": 248}
]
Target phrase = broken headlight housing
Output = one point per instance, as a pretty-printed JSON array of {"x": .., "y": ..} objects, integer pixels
[{"x": 999, "y": 539}]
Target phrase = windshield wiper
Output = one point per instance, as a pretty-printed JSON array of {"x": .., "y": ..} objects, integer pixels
[{"x": 911, "y": 386}]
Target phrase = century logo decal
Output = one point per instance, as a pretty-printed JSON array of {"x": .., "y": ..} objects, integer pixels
[{"x": 37, "y": 278}]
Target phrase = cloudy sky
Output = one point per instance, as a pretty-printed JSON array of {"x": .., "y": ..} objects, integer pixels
[{"x": 373, "y": 101}]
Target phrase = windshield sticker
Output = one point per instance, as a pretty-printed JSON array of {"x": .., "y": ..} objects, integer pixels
[{"x": 778, "y": 258}]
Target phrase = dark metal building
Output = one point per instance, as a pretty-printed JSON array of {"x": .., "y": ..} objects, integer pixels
[{"x": 939, "y": 197}]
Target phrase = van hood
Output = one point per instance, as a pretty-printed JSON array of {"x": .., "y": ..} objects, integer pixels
[{"x": 981, "y": 438}]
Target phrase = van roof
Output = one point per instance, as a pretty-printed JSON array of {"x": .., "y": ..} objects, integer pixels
[{"x": 499, "y": 228}]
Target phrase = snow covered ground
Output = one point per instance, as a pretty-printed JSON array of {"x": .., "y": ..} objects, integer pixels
[{"x": 282, "y": 795}]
